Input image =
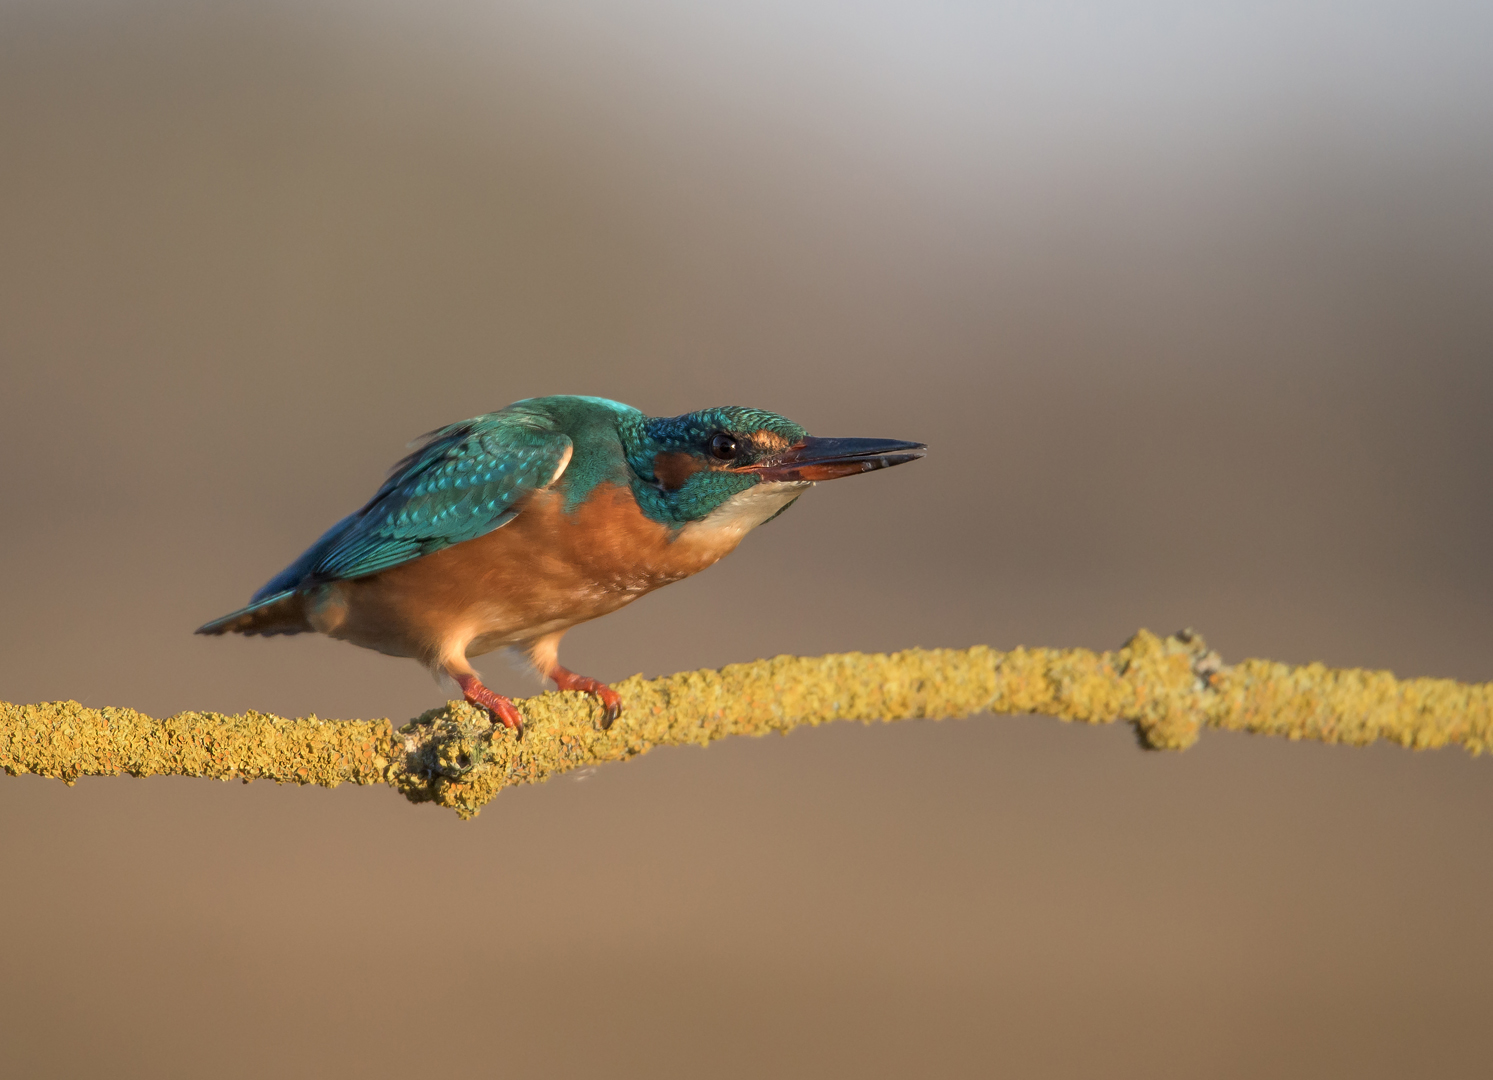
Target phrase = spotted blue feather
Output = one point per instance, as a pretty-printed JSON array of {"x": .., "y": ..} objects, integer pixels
[{"x": 461, "y": 482}]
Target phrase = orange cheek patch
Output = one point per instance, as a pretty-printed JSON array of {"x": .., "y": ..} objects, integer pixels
[
  {"x": 673, "y": 470},
  {"x": 769, "y": 442}
]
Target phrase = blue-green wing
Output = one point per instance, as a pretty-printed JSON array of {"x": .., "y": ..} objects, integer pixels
[{"x": 464, "y": 480}]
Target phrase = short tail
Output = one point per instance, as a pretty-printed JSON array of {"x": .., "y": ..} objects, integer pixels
[{"x": 282, "y": 613}]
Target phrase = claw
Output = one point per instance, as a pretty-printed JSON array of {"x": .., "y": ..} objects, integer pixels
[
  {"x": 498, "y": 707},
  {"x": 611, "y": 705},
  {"x": 609, "y": 699}
]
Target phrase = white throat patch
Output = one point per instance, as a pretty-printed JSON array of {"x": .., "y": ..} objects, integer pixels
[{"x": 743, "y": 512}]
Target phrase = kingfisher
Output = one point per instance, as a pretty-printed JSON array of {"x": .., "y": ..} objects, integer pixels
[{"x": 508, "y": 529}]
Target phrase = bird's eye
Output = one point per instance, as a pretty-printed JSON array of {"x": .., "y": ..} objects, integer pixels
[{"x": 723, "y": 446}]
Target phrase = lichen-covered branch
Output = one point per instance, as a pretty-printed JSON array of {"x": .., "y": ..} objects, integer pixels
[{"x": 1169, "y": 688}]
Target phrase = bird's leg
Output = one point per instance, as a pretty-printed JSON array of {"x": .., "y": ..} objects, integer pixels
[
  {"x": 497, "y": 706},
  {"x": 544, "y": 653},
  {"x": 611, "y": 702}
]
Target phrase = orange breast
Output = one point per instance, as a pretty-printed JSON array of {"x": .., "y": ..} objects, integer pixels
[{"x": 544, "y": 571}]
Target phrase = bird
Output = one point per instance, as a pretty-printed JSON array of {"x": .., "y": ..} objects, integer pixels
[{"x": 508, "y": 529}]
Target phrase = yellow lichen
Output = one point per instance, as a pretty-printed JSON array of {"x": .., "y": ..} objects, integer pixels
[{"x": 1169, "y": 688}]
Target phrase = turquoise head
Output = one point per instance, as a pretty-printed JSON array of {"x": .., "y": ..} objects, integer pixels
[{"x": 688, "y": 467}]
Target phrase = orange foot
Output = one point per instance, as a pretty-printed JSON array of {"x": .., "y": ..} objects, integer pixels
[
  {"x": 611, "y": 703},
  {"x": 498, "y": 707}
]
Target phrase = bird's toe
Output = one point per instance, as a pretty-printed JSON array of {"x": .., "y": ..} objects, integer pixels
[{"x": 610, "y": 709}]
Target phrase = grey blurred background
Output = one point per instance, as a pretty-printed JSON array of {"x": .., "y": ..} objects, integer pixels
[{"x": 1194, "y": 306}]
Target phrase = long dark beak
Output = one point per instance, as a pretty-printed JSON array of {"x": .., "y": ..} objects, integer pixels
[{"x": 828, "y": 459}]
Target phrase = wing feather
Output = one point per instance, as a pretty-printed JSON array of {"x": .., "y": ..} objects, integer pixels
[{"x": 461, "y": 482}]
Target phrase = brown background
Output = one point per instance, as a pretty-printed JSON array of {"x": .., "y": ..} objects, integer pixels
[{"x": 1193, "y": 310}]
